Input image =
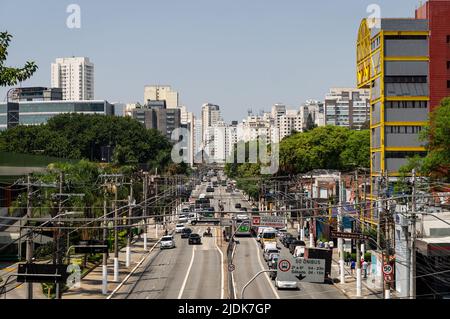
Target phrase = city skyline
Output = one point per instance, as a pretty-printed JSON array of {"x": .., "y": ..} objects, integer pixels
[{"x": 185, "y": 55}]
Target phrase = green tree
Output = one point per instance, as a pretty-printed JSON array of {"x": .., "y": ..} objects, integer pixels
[
  {"x": 437, "y": 161},
  {"x": 81, "y": 136},
  {"x": 11, "y": 76},
  {"x": 356, "y": 152}
]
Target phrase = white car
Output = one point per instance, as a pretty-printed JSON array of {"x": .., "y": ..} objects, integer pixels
[
  {"x": 285, "y": 284},
  {"x": 179, "y": 228},
  {"x": 167, "y": 242},
  {"x": 182, "y": 218},
  {"x": 268, "y": 252}
]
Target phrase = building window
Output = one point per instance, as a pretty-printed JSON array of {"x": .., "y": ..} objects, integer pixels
[
  {"x": 448, "y": 64},
  {"x": 405, "y": 79},
  {"x": 448, "y": 39},
  {"x": 448, "y": 84}
]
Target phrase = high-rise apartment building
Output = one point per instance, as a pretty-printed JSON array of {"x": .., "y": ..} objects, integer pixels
[
  {"x": 278, "y": 110},
  {"x": 347, "y": 107},
  {"x": 210, "y": 116},
  {"x": 290, "y": 122},
  {"x": 161, "y": 92},
  {"x": 75, "y": 76}
]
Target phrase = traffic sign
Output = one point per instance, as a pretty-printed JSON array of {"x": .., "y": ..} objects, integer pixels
[
  {"x": 42, "y": 273},
  {"x": 387, "y": 269},
  {"x": 346, "y": 235},
  {"x": 302, "y": 269},
  {"x": 231, "y": 267},
  {"x": 388, "y": 278},
  {"x": 256, "y": 220},
  {"x": 284, "y": 265},
  {"x": 269, "y": 221}
]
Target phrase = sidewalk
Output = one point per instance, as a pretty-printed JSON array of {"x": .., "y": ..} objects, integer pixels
[
  {"x": 91, "y": 284},
  {"x": 369, "y": 289}
]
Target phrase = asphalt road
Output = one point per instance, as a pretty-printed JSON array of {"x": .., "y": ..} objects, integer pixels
[{"x": 196, "y": 272}]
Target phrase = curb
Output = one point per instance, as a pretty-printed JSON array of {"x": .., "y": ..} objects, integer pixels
[{"x": 144, "y": 257}]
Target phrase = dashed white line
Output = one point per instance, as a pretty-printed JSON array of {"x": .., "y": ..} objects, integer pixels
[
  {"x": 221, "y": 269},
  {"x": 267, "y": 276},
  {"x": 187, "y": 273}
]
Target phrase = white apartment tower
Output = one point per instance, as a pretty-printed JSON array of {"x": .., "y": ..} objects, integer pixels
[
  {"x": 210, "y": 117},
  {"x": 161, "y": 92},
  {"x": 75, "y": 76}
]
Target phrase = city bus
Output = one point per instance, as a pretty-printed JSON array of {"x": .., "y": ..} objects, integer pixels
[{"x": 243, "y": 225}]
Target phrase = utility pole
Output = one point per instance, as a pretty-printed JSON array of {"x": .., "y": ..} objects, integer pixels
[
  {"x": 130, "y": 233},
  {"x": 387, "y": 284},
  {"x": 358, "y": 250},
  {"x": 116, "y": 234},
  {"x": 145, "y": 185},
  {"x": 105, "y": 255},
  {"x": 363, "y": 214},
  {"x": 412, "y": 276},
  {"x": 341, "y": 228},
  {"x": 58, "y": 248},
  {"x": 29, "y": 241}
]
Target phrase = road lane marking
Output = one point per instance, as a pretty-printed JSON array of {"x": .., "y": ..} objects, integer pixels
[
  {"x": 232, "y": 274},
  {"x": 265, "y": 274},
  {"x": 187, "y": 273},
  {"x": 221, "y": 268},
  {"x": 134, "y": 269}
]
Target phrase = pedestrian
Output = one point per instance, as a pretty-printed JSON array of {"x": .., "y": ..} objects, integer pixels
[
  {"x": 166, "y": 232},
  {"x": 352, "y": 266},
  {"x": 364, "y": 267}
]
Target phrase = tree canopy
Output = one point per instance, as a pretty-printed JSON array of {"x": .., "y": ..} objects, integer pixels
[
  {"x": 437, "y": 135},
  {"x": 81, "y": 136},
  {"x": 329, "y": 147},
  {"x": 8, "y": 75}
]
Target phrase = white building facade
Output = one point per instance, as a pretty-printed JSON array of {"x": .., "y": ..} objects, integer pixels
[{"x": 75, "y": 76}]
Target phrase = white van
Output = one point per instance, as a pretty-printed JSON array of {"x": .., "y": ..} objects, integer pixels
[
  {"x": 260, "y": 231},
  {"x": 299, "y": 251}
]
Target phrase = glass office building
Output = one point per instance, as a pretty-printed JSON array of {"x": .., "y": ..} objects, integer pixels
[{"x": 39, "y": 112}]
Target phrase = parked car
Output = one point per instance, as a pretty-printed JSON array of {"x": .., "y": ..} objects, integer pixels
[
  {"x": 238, "y": 205},
  {"x": 287, "y": 239},
  {"x": 268, "y": 252},
  {"x": 167, "y": 242},
  {"x": 179, "y": 228},
  {"x": 194, "y": 239},
  {"x": 186, "y": 232},
  {"x": 272, "y": 257},
  {"x": 210, "y": 189},
  {"x": 294, "y": 243}
]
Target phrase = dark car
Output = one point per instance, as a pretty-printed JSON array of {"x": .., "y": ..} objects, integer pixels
[
  {"x": 210, "y": 189},
  {"x": 186, "y": 232},
  {"x": 294, "y": 243},
  {"x": 238, "y": 205},
  {"x": 286, "y": 240},
  {"x": 244, "y": 209},
  {"x": 195, "y": 239}
]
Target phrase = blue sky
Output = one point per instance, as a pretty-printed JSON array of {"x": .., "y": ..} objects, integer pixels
[{"x": 239, "y": 54}]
